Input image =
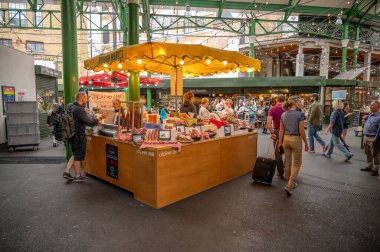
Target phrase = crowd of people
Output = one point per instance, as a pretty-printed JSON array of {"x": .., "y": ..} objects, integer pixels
[
  {"x": 286, "y": 125},
  {"x": 284, "y": 121}
]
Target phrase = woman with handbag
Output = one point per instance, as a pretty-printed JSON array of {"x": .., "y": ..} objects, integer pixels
[{"x": 291, "y": 135}]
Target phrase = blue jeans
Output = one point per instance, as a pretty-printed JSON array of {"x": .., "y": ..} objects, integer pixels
[
  {"x": 335, "y": 140},
  {"x": 312, "y": 131}
]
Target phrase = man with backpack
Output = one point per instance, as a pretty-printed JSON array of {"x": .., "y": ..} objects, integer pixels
[{"x": 74, "y": 125}]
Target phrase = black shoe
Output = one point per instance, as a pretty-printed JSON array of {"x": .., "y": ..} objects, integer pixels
[
  {"x": 366, "y": 169},
  {"x": 348, "y": 158},
  {"x": 54, "y": 144},
  {"x": 67, "y": 176},
  {"x": 80, "y": 179},
  {"x": 375, "y": 173}
]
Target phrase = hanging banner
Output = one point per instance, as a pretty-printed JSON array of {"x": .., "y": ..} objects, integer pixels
[{"x": 103, "y": 100}]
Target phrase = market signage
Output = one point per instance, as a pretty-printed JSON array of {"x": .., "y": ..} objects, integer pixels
[
  {"x": 8, "y": 95},
  {"x": 111, "y": 57},
  {"x": 112, "y": 161},
  {"x": 103, "y": 100},
  {"x": 338, "y": 95}
]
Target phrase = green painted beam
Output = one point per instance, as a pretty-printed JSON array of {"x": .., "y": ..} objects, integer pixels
[
  {"x": 221, "y": 7},
  {"x": 146, "y": 18},
  {"x": 246, "y": 82},
  {"x": 291, "y": 5},
  {"x": 363, "y": 15}
]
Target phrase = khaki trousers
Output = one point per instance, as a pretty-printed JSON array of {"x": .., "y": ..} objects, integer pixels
[
  {"x": 371, "y": 152},
  {"x": 293, "y": 155}
]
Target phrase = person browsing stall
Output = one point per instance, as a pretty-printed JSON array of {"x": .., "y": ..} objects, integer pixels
[
  {"x": 239, "y": 109},
  {"x": 188, "y": 105},
  {"x": 203, "y": 111},
  {"x": 78, "y": 142},
  {"x": 290, "y": 138},
  {"x": 228, "y": 108}
]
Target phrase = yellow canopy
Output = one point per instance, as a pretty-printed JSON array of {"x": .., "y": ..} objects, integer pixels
[{"x": 157, "y": 57}]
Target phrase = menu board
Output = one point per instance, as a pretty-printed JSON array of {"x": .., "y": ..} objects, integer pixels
[
  {"x": 356, "y": 118},
  {"x": 112, "y": 161}
]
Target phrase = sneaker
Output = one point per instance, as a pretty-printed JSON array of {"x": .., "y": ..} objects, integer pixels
[
  {"x": 375, "y": 173},
  {"x": 288, "y": 190},
  {"x": 295, "y": 185},
  {"x": 67, "y": 176},
  {"x": 54, "y": 144},
  {"x": 368, "y": 169},
  {"x": 326, "y": 156},
  {"x": 311, "y": 151},
  {"x": 348, "y": 158},
  {"x": 80, "y": 179}
]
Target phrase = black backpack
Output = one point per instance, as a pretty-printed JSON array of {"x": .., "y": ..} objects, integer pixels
[{"x": 68, "y": 125}]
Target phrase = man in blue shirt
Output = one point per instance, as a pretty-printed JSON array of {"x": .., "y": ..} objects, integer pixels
[{"x": 371, "y": 131}]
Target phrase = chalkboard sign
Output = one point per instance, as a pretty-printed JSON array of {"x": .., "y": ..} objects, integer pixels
[
  {"x": 356, "y": 118},
  {"x": 112, "y": 161}
]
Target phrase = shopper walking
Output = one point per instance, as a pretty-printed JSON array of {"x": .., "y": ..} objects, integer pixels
[
  {"x": 78, "y": 142},
  {"x": 291, "y": 135},
  {"x": 314, "y": 122},
  {"x": 347, "y": 120},
  {"x": 371, "y": 139},
  {"x": 273, "y": 125},
  {"x": 51, "y": 117},
  {"x": 265, "y": 111},
  {"x": 336, "y": 127}
]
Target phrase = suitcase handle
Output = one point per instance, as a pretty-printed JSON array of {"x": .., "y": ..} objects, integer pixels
[{"x": 274, "y": 149}]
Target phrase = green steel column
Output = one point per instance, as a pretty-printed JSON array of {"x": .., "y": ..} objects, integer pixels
[
  {"x": 344, "y": 47},
  {"x": 352, "y": 98},
  {"x": 252, "y": 33},
  {"x": 124, "y": 27},
  {"x": 133, "y": 38},
  {"x": 149, "y": 99},
  {"x": 69, "y": 53},
  {"x": 356, "y": 46}
]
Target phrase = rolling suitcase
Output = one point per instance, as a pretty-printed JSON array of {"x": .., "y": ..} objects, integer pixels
[{"x": 264, "y": 168}]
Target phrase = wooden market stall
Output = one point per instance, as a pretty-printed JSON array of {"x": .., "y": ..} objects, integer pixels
[{"x": 160, "y": 176}]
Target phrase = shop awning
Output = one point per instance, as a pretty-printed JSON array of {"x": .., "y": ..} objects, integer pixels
[
  {"x": 116, "y": 79},
  {"x": 161, "y": 58}
]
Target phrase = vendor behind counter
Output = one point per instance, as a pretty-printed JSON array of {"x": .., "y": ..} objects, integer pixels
[{"x": 116, "y": 104}]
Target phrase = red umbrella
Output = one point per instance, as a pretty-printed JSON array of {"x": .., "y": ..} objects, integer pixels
[{"x": 116, "y": 79}]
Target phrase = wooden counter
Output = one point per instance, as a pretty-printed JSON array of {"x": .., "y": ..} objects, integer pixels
[{"x": 161, "y": 176}]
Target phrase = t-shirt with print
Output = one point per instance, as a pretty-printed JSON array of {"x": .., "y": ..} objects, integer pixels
[{"x": 290, "y": 120}]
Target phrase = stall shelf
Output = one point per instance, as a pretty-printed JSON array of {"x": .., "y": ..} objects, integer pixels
[{"x": 159, "y": 176}]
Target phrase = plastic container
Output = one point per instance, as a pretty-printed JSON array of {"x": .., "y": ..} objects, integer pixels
[
  {"x": 24, "y": 107},
  {"x": 21, "y": 118},
  {"x": 16, "y": 129},
  {"x": 24, "y": 139}
]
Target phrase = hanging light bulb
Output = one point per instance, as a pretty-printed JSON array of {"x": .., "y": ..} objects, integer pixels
[
  {"x": 139, "y": 61},
  {"x": 339, "y": 20},
  {"x": 237, "y": 69},
  {"x": 181, "y": 62},
  {"x": 208, "y": 61},
  {"x": 105, "y": 65},
  {"x": 224, "y": 62},
  {"x": 110, "y": 72},
  {"x": 128, "y": 74},
  {"x": 119, "y": 65}
]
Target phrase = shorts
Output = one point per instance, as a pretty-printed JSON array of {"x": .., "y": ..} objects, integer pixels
[{"x": 78, "y": 147}]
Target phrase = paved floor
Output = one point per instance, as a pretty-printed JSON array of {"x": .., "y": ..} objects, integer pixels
[{"x": 335, "y": 208}]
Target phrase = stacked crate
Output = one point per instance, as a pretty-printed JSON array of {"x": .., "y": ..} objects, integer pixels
[{"x": 22, "y": 124}]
